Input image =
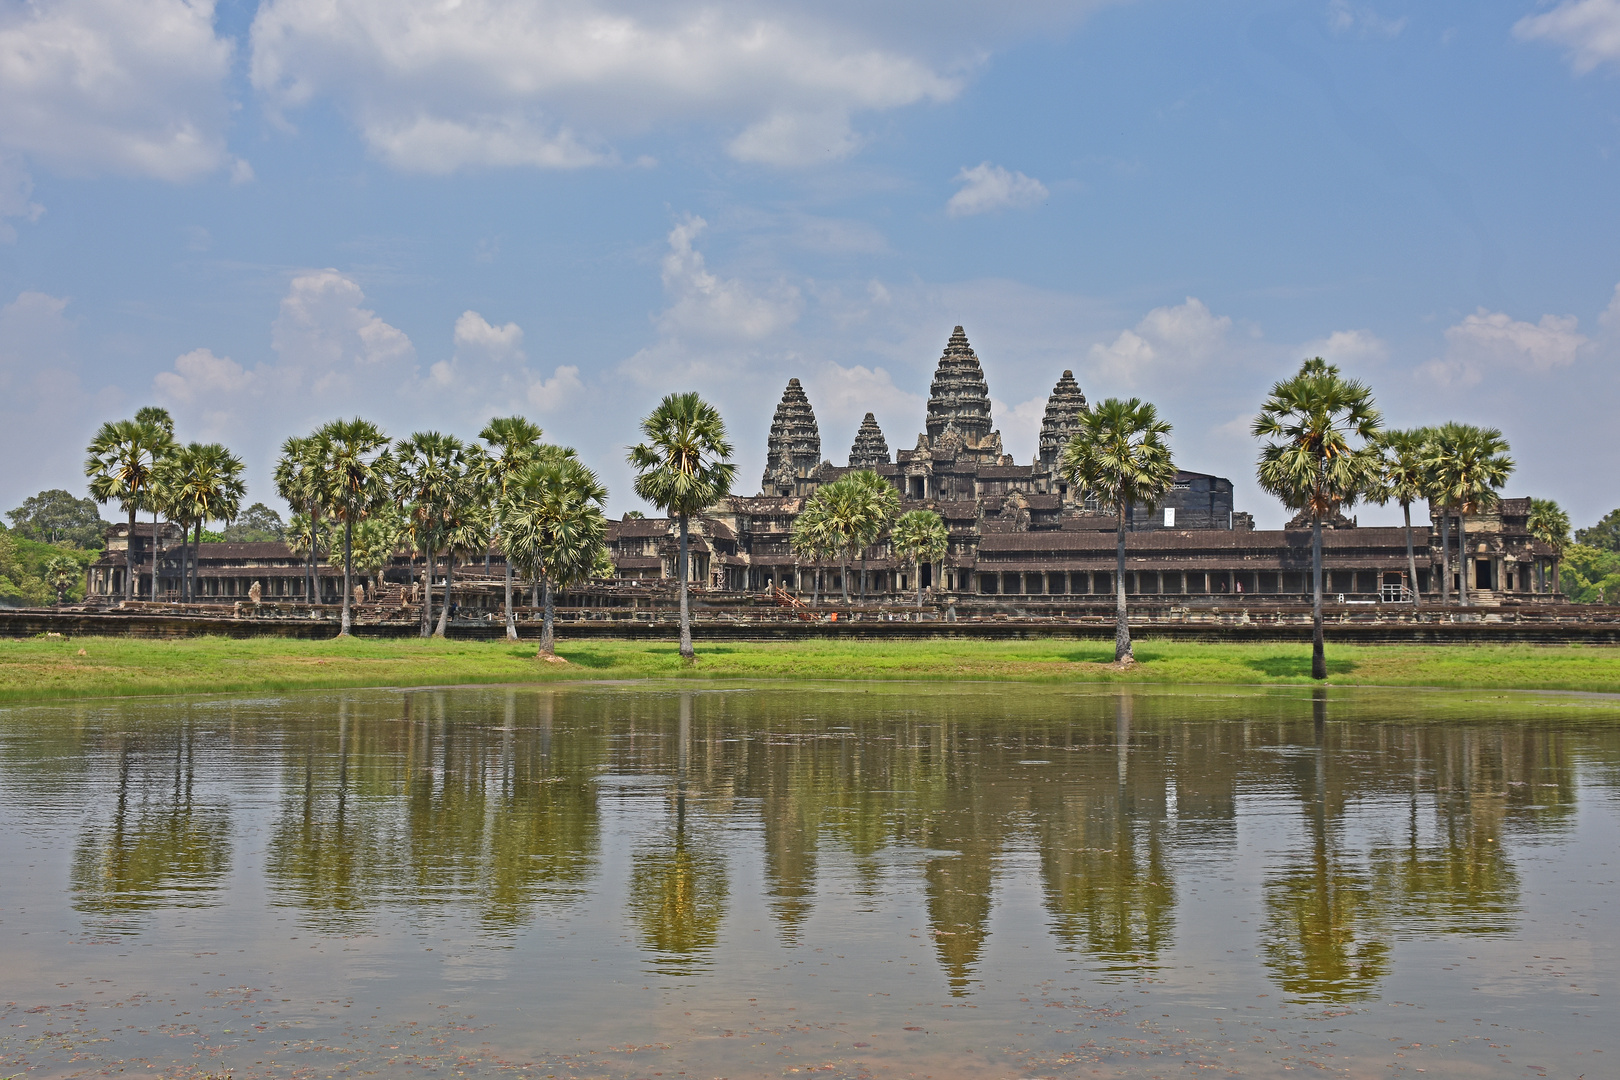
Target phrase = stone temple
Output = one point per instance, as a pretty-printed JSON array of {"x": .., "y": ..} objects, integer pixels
[{"x": 1018, "y": 530}]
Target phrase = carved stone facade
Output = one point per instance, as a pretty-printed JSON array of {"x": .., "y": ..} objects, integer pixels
[
  {"x": 870, "y": 450},
  {"x": 793, "y": 449}
]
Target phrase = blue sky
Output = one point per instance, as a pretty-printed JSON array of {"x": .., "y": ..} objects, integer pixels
[{"x": 266, "y": 215}]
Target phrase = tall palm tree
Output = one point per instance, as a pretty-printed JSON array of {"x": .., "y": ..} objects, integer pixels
[
  {"x": 513, "y": 442},
  {"x": 201, "y": 483},
  {"x": 1311, "y": 462},
  {"x": 157, "y": 498},
  {"x": 428, "y": 466},
  {"x": 355, "y": 467},
  {"x": 1120, "y": 456},
  {"x": 920, "y": 536},
  {"x": 1402, "y": 478},
  {"x": 297, "y": 478},
  {"x": 815, "y": 538},
  {"x": 683, "y": 466},
  {"x": 841, "y": 504},
  {"x": 552, "y": 519},
  {"x": 120, "y": 462},
  {"x": 879, "y": 505},
  {"x": 1549, "y": 524},
  {"x": 466, "y": 530},
  {"x": 1468, "y": 465}
]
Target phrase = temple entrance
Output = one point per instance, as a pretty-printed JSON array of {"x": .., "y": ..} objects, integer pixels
[{"x": 926, "y": 572}]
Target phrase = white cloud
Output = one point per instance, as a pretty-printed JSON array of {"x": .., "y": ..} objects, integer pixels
[
  {"x": 1345, "y": 17},
  {"x": 436, "y": 86},
  {"x": 1183, "y": 335},
  {"x": 135, "y": 87},
  {"x": 489, "y": 374},
  {"x": 323, "y": 330},
  {"x": 843, "y": 395},
  {"x": 707, "y": 306},
  {"x": 475, "y": 335},
  {"x": 1491, "y": 341},
  {"x": 987, "y": 187},
  {"x": 1349, "y": 348},
  {"x": 15, "y": 188},
  {"x": 1589, "y": 29}
]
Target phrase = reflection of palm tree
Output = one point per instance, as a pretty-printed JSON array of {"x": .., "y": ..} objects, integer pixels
[
  {"x": 678, "y": 887},
  {"x": 168, "y": 851},
  {"x": 1325, "y": 937}
]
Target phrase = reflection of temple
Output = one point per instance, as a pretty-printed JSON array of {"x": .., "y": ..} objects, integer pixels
[{"x": 1018, "y": 530}]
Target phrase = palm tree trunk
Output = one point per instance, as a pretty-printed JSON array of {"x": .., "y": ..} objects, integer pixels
[
  {"x": 1318, "y": 653},
  {"x": 686, "y": 613},
  {"x": 1558, "y": 581},
  {"x": 154, "y": 555},
  {"x": 449, "y": 583},
  {"x": 1445, "y": 558},
  {"x": 863, "y": 575},
  {"x": 129, "y": 558},
  {"x": 843, "y": 574},
  {"x": 1462, "y": 557},
  {"x": 348, "y": 570},
  {"x": 1411, "y": 559},
  {"x": 427, "y": 591},
  {"x": 816, "y": 600},
  {"x": 312, "y": 588},
  {"x": 548, "y": 634},
  {"x": 196, "y": 558},
  {"x": 1122, "y": 624},
  {"x": 916, "y": 568},
  {"x": 511, "y": 616}
]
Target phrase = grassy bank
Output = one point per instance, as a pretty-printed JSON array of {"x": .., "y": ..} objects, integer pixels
[{"x": 45, "y": 668}]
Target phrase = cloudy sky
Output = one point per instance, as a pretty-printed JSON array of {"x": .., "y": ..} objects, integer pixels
[{"x": 265, "y": 215}]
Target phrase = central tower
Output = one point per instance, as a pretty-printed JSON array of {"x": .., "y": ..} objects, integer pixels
[{"x": 959, "y": 399}]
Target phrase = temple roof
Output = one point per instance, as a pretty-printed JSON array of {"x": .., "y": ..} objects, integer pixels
[
  {"x": 959, "y": 399},
  {"x": 1062, "y": 417},
  {"x": 794, "y": 446},
  {"x": 870, "y": 449}
]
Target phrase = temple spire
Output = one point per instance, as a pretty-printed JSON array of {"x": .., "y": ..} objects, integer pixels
[
  {"x": 870, "y": 449},
  {"x": 1062, "y": 417},
  {"x": 793, "y": 449},
  {"x": 959, "y": 399}
]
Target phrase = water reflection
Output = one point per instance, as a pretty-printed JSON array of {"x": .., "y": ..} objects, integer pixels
[{"x": 492, "y": 803}]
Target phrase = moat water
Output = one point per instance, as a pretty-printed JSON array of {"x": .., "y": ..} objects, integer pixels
[{"x": 941, "y": 880}]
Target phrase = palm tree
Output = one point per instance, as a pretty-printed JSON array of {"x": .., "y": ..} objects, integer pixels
[
  {"x": 1402, "y": 478},
  {"x": 375, "y": 540},
  {"x": 427, "y": 469},
  {"x": 1310, "y": 463},
  {"x": 354, "y": 475},
  {"x": 201, "y": 483},
  {"x": 466, "y": 529},
  {"x": 920, "y": 536},
  {"x": 552, "y": 521},
  {"x": 815, "y": 538},
  {"x": 1549, "y": 524},
  {"x": 683, "y": 466},
  {"x": 61, "y": 571},
  {"x": 1119, "y": 456},
  {"x": 879, "y": 505},
  {"x": 1468, "y": 465},
  {"x": 120, "y": 464},
  {"x": 297, "y": 482},
  {"x": 513, "y": 442}
]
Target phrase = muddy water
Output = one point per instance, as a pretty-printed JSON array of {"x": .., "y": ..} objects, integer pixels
[{"x": 853, "y": 881}]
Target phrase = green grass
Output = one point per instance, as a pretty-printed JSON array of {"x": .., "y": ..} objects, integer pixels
[{"x": 45, "y": 668}]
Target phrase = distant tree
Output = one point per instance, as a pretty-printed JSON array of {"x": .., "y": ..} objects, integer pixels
[
  {"x": 1590, "y": 575},
  {"x": 354, "y": 472},
  {"x": 1550, "y": 525},
  {"x": 920, "y": 536},
  {"x": 198, "y": 483},
  {"x": 258, "y": 524},
  {"x": 1468, "y": 465},
  {"x": 683, "y": 467},
  {"x": 634, "y": 515},
  {"x": 880, "y": 505},
  {"x": 1402, "y": 478},
  {"x": 429, "y": 467},
  {"x": 375, "y": 541},
  {"x": 56, "y": 517},
  {"x": 1311, "y": 460},
  {"x": 513, "y": 443},
  {"x": 1605, "y": 535},
  {"x": 297, "y": 478},
  {"x": 815, "y": 539},
  {"x": 120, "y": 462},
  {"x": 552, "y": 519},
  {"x": 1120, "y": 456},
  {"x": 61, "y": 573}
]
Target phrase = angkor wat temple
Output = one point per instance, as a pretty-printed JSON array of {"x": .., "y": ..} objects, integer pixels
[{"x": 1018, "y": 530}]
